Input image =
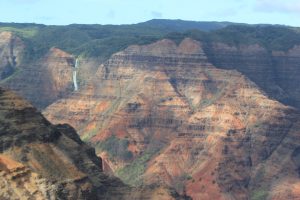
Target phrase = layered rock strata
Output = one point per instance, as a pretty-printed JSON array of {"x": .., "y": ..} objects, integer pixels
[
  {"x": 41, "y": 161},
  {"x": 48, "y": 79},
  {"x": 276, "y": 72},
  {"x": 162, "y": 113}
]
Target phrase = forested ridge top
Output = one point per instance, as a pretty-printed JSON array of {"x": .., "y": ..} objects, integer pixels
[{"x": 103, "y": 40}]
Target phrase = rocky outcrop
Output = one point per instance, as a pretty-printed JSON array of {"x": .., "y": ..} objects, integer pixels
[
  {"x": 19, "y": 182},
  {"x": 45, "y": 80},
  {"x": 41, "y": 161},
  {"x": 11, "y": 53},
  {"x": 27, "y": 137},
  {"x": 162, "y": 113}
]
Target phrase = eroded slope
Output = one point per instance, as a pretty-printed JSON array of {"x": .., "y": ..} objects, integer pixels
[
  {"x": 41, "y": 161},
  {"x": 161, "y": 113}
]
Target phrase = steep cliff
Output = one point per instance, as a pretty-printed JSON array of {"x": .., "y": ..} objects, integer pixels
[
  {"x": 41, "y": 80},
  {"x": 276, "y": 72},
  {"x": 41, "y": 161},
  {"x": 162, "y": 113},
  {"x": 268, "y": 56},
  {"x": 11, "y": 52},
  {"x": 18, "y": 181},
  {"x": 45, "y": 80}
]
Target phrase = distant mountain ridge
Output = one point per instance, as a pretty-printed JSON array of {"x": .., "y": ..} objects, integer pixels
[
  {"x": 183, "y": 25},
  {"x": 175, "y": 25},
  {"x": 94, "y": 40}
]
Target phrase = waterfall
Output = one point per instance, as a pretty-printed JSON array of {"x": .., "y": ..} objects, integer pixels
[
  {"x": 75, "y": 80},
  {"x": 76, "y": 63},
  {"x": 75, "y": 74}
]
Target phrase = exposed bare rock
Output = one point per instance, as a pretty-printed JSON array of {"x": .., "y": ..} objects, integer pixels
[
  {"x": 45, "y": 80},
  {"x": 202, "y": 120},
  {"x": 41, "y": 161},
  {"x": 19, "y": 182},
  {"x": 11, "y": 54},
  {"x": 164, "y": 114}
]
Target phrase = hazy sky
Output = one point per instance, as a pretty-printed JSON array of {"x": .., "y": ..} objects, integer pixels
[{"x": 133, "y": 11}]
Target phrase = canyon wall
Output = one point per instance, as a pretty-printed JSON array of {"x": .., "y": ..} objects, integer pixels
[
  {"x": 204, "y": 120},
  {"x": 39, "y": 160},
  {"x": 276, "y": 72},
  {"x": 162, "y": 113},
  {"x": 49, "y": 78},
  {"x": 11, "y": 53},
  {"x": 44, "y": 80}
]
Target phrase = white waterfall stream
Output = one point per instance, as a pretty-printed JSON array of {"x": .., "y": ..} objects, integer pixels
[{"x": 75, "y": 74}]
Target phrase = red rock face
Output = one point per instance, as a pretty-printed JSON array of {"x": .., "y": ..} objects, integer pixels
[
  {"x": 164, "y": 114},
  {"x": 37, "y": 156},
  {"x": 41, "y": 161}
]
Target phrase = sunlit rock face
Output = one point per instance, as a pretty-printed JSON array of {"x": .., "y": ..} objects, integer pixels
[
  {"x": 162, "y": 113},
  {"x": 203, "y": 120},
  {"x": 39, "y": 160}
]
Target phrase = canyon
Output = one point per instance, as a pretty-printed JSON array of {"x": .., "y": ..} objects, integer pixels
[
  {"x": 207, "y": 120},
  {"x": 169, "y": 116},
  {"x": 39, "y": 160}
]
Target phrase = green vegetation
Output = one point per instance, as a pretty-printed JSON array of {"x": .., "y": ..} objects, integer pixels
[
  {"x": 131, "y": 174},
  {"x": 260, "y": 194},
  {"x": 104, "y": 40},
  {"x": 181, "y": 25},
  {"x": 116, "y": 148},
  {"x": 270, "y": 37},
  {"x": 89, "y": 134},
  {"x": 15, "y": 72},
  {"x": 82, "y": 40},
  {"x": 24, "y": 33}
]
